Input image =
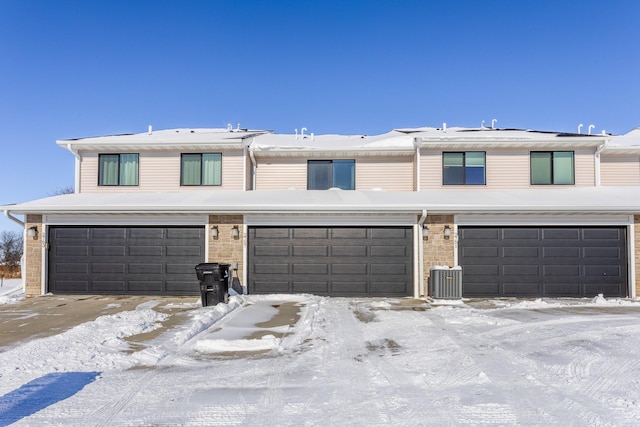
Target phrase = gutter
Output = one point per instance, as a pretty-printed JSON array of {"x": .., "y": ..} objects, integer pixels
[{"x": 13, "y": 218}]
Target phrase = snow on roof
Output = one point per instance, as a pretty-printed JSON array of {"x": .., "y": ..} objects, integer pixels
[
  {"x": 623, "y": 144},
  {"x": 545, "y": 200},
  {"x": 279, "y": 144},
  {"x": 165, "y": 139}
]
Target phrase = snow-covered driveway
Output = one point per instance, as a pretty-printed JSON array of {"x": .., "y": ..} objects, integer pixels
[{"x": 342, "y": 362}]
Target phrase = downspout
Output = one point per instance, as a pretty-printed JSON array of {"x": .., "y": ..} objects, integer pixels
[
  {"x": 76, "y": 184},
  {"x": 421, "y": 221},
  {"x": 7, "y": 213},
  {"x": 254, "y": 165},
  {"x": 597, "y": 162},
  {"x": 417, "y": 145}
]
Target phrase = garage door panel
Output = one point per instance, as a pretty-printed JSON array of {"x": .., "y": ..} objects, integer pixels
[
  {"x": 482, "y": 234},
  {"x": 108, "y": 286},
  {"x": 348, "y": 233},
  {"x": 312, "y": 251},
  {"x": 145, "y": 268},
  {"x": 271, "y": 233},
  {"x": 146, "y": 233},
  {"x": 349, "y": 251},
  {"x": 108, "y": 251},
  {"x": 331, "y": 260},
  {"x": 602, "y": 270},
  {"x": 184, "y": 251},
  {"x": 524, "y": 289},
  {"x": 71, "y": 251},
  {"x": 601, "y": 234},
  {"x": 310, "y": 233},
  {"x": 520, "y": 234},
  {"x": 271, "y": 287},
  {"x": 72, "y": 267},
  {"x": 271, "y": 268},
  {"x": 98, "y": 268},
  {"x": 347, "y": 269},
  {"x": 521, "y": 270},
  {"x": 145, "y": 286},
  {"x": 561, "y": 233},
  {"x": 77, "y": 286},
  {"x": 271, "y": 251},
  {"x": 613, "y": 253},
  {"x": 308, "y": 287},
  {"x": 481, "y": 252},
  {"x": 570, "y": 264},
  {"x": 310, "y": 268}
]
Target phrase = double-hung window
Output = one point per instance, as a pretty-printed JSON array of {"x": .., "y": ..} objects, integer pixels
[
  {"x": 325, "y": 174},
  {"x": 552, "y": 167},
  {"x": 201, "y": 169},
  {"x": 118, "y": 169},
  {"x": 463, "y": 168}
]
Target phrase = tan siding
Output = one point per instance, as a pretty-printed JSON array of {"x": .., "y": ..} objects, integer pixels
[
  {"x": 619, "y": 170},
  {"x": 392, "y": 174},
  {"x": 160, "y": 171},
  {"x": 505, "y": 169},
  {"x": 585, "y": 168},
  {"x": 279, "y": 174}
]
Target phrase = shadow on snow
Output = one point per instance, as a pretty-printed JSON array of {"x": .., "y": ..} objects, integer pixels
[{"x": 40, "y": 393}]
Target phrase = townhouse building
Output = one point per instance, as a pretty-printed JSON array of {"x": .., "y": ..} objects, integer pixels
[{"x": 524, "y": 213}]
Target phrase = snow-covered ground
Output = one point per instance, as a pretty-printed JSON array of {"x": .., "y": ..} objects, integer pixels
[{"x": 344, "y": 362}]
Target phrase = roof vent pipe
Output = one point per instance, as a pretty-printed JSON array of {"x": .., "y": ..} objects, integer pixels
[
  {"x": 591, "y": 127},
  {"x": 493, "y": 123},
  {"x": 313, "y": 136},
  {"x": 444, "y": 126},
  {"x": 150, "y": 129},
  {"x": 296, "y": 129},
  {"x": 604, "y": 132},
  {"x": 579, "y": 127},
  {"x": 482, "y": 125},
  {"x": 302, "y": 132}
]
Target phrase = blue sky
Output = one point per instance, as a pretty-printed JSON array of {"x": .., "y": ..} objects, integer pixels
[{"x": 72, "y": 68}]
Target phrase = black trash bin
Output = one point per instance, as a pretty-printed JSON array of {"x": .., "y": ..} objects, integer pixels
[{"x": 214, "y": 282}]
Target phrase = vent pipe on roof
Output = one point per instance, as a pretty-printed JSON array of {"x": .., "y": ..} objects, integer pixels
[
  {"x": 444, "y": 126},
  {"x": 591, "y": 127},
  {"x": 482, "y": 125},
  {"x": 493, "y": 123},
  {"x": 302, "y": 132},
  {"x": 229, "y": 127},
  {"x": 150, "y": 129},
  {"x": 604, "y": 132},
  {"x": 296, "y": 129},
  {"x": 579, "y": 127}
]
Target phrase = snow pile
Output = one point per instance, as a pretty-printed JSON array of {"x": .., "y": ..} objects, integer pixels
[
  {"x": 266, "y": 342},
  {"x": 11, "y": 291}
]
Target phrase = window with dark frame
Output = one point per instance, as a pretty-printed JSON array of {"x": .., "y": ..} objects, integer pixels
[
  {"x": 118, "y": 169},
  {"x": 201, "y": 169},
  {"x": 552, "y": 168},
  {"x": 464, "y": 168},
  {"x": 326, "y": 174}
]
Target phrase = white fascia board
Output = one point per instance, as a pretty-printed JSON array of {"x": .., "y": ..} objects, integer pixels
[
  {"x": 542, "y": 219},
  {"x": 370, "y": 219},
  {"x": 114, "y": 219}
]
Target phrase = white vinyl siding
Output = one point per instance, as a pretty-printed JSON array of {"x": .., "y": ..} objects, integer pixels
[
  {"x": 279, "y": 174},
  {"x": 160, "y": 171},
  {"x": 505, "y": 169},
  {"x": 619, "y": 170},
  {"x": 390, "y": 174}
]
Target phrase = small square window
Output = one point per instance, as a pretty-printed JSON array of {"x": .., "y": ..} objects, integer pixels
[
  {"x": 552, "y": 168},
  {"x": 325, "y": 174},
  {"x": 201, "y": 169},
  {"x": 118, "y": 169},
  {"x": 463, "y": 168}
]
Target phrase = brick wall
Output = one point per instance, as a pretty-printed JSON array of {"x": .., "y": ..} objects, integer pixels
[
  {"x": 33, "y": 257},
  {"x": 437, "y": 249},
  {"x": 226, "y": 249}
]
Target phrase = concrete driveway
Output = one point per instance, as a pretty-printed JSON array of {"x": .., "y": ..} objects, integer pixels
[{"x": 48, "y": 315}]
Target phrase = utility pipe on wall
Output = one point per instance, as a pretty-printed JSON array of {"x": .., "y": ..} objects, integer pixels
[{"x": 421, "y": 221}]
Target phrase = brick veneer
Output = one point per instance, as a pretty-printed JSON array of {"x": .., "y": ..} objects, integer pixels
[
  {"x": 437, "y": 249},
  {"x": 33, "y": 257},
  {"x": 225, "y": 249}
]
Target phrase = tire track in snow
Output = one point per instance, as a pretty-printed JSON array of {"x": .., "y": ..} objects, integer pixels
[
  {"x": 105, "y": 414},
  {"x": 507, "y": 365}
]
